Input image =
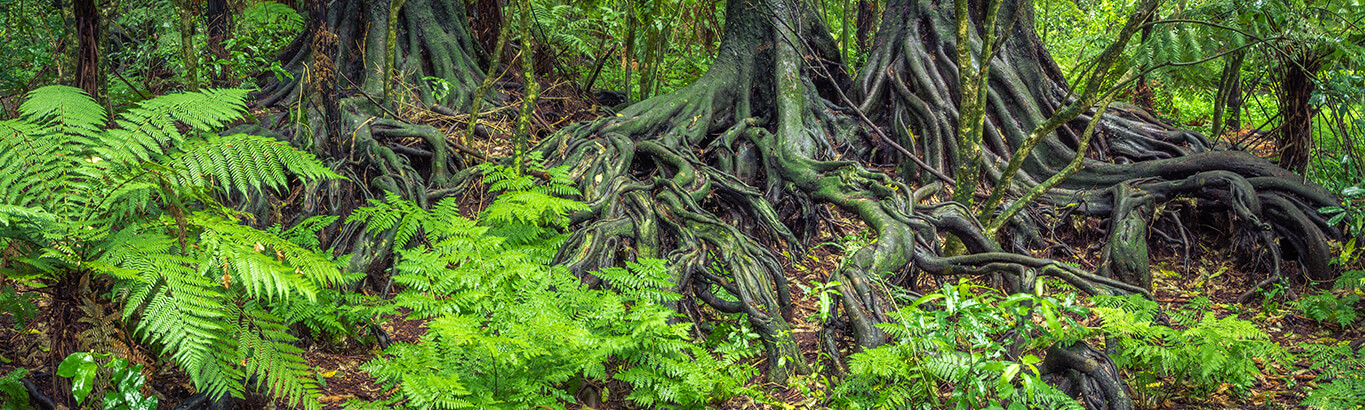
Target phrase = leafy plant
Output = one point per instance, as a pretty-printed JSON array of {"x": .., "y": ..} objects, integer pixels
[
  {"x": 958, "y": 343},
  {"x": 1340, "y": 385},
  {"x": 12, "y": 387},
  {"x": 19, "y": 306},
  {"x": 137, "y": 202},
  {"x": 509, "y": 331},
  {"x": 1206, "y": 354},
  {"x": 124, "y": 382},
  {"x": 262, "y": 30},
  {"x": 1351, "y": 211},
  {"x": 1339, "y": 304}
]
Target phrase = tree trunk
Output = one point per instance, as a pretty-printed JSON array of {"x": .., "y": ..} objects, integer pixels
[
  {"x": 432, "y": 37},
  {"x": 218, "y": 18},
  {"x": 88, "y": 75},
  {"x": 335, "y": 106},
  {"x": 1295, "y": 135},
  {"x": 869, "y": 12},
  {"x": 1227, "y": 103},
  {"x": 186, "y": 11},
  {"x": 1142, "y": 91}
]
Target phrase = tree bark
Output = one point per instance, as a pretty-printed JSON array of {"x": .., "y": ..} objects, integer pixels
[
  {"x": 1295, "y": 135},
  {"x": 186, "y": 10},
  {"x": 218, "y": 18},
  {"x": 88, "y": 75}
]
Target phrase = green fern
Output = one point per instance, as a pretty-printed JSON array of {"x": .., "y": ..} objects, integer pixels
[
  {"x": 1207, "y": 354},
  {"x": 1340, "y": 385},
  {"x": 136, "y": 202},
  {"x": 509, "y": 331}
]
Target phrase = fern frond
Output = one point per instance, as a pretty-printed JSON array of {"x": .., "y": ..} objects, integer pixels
[
  {"x": 245, "y": 163},
  {"x": 68, "y": 109},
  {"x": 264, "y": 346},
  {"x": 39, "y": 153},
  {"x": 143, "y": 131},
  {"x": 251, "y": 251}
]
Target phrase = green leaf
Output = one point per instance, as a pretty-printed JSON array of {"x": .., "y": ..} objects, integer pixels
[{"x": 80, "y": 367}]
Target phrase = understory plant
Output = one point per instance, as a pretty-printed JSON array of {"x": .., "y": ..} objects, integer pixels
[
  {"x": 1341, "y": 377},
  {"x": 960, "y": 347},
  {"x": 121, "y": 381},
  {"x": 135, "y": 201},
  {"x": 507, "y": 330},
  {"x": 1206, "y": 354},
  {"x": 1338, "y": 305}
]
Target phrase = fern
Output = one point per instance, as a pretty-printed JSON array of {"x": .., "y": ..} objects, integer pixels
[
  {"x": 1340, "y": 385},
  {"x": 13, "y": 388},
  {"x": 1207, "y": 354},
  {"x": 508, "y": 331},
  {"x": 136, "y": 202},
  {"x": 244, "y": 162}
]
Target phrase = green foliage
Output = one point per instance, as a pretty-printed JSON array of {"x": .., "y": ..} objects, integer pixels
[
  {"x": 525, "y": 208},
  {"x": 262, "y": 30},
  {"x": 11, "y": 386},
  {"x": 137, "y": 202},
  {"x": 1206, "y": 354},
  {"x": 958, "y": 350},
  {"x": 1340, "y": 382},
  {"x": 1338, "y": 305},
  {"x": 19, "y": 306},
  {"x": 124, "y": 382},
  {"x": 28, "y": 45},
  {"x": 335, "y": 313},
  {"x": 1327, "y": 307},
  {"x": 1351, "y": 212},
  {"x": 656, "y": 45},
  {"x": 509, "y": 331}
]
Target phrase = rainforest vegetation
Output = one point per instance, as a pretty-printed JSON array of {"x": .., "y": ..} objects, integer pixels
[{"x": 738, "y": 204}]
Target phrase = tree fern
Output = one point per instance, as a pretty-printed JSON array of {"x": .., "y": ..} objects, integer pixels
[{"x": 136, "y": 202}]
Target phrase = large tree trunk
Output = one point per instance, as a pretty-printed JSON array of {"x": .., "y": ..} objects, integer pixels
[
  {"x": 433, "y": 40},
  {"x": 339, "y": 77},
  {"x": 746, "y": 159},
  {"x": 1295, "y": 134}
]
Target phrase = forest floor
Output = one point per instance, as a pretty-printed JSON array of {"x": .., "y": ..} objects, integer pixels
[{"x": 1209, "y": 277}]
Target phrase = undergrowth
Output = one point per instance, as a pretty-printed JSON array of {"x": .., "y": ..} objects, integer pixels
[
  {"x": 963, "y": 346},
  {"x": 1207, "y": 353},
  {"x": 507, "y": 330}
]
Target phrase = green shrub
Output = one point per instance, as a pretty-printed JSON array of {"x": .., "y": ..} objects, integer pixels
[{"x": 121, "y": 382}]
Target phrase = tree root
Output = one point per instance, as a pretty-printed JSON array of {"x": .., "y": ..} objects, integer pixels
[{"x": 1085, "y": 373}]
